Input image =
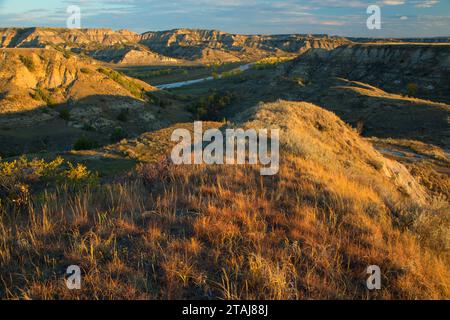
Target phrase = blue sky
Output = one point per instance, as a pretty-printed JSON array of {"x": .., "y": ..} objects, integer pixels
[{"x": 400, "y": 18}]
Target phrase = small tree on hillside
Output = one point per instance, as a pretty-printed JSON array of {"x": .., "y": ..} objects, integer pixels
[{"x": 412, "y": 89}]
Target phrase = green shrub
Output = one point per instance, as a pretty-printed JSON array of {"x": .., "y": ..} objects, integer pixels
[
  {"x": 64, "y": 114},
  {"x": 85, "y": 70},
  {"x": 42, "y": 94},
  {"x": 17, "y": 176},
  {"x": 268, "y": 63},
  {"x": 134, "y": 88},
  {"x": 28, "y": 63},
  {"x": 118, "y": 134},
  {"x": 153, "y": 99},
  {"x": 21, "y": 177},
  {"x": 67, "y": 54},
  {"x": 209, "y": 108},
  {"x": 231, "y": 73},
  {"x": 123, "y": 115},
  {"x": 412, "y": 89},
  {"x": 160, "y": 72},
  {"x": 79, "y": 175},
  {"x": 88, "y": 127},
  {"x": 164, "y": 103},
  {"x": 84, "y": 143}
]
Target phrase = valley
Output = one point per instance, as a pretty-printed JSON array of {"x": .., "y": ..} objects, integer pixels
[{"x": 86, "y": 118}]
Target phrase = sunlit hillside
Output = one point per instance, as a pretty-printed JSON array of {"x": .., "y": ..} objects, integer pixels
[{"x": 226, "y": 232}]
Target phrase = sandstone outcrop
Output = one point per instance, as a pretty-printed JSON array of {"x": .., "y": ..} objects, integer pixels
[{"x": 166, "y": 47}]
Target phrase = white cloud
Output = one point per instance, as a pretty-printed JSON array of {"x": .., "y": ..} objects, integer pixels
[
  {"x": 426, "y": 3},
  {"x": 393, "y": 2},
  {"x": 344, "y": 17}
]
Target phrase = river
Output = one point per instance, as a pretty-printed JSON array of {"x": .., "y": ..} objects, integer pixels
[{"x": 189, "y": 82}]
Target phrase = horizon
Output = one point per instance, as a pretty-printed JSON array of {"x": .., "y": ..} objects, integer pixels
[
  {"x": 400, "y": 18},
  {"x": 233, "y": 33}
]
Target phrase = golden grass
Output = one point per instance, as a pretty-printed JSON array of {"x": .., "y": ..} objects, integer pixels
[
  {"x": 218, "y": 232},
  {"x": 225, "y": 232}
]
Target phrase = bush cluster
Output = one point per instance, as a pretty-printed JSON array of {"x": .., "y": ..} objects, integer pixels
[
  {"x": 28, "y": 63},
  {"x": 134, "y": 88},
  {"x": 20, "y": 177},
  {"x": 210, "y": 107}
]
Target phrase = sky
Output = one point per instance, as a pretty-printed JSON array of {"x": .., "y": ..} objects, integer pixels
[{"x": 399, "y": 18}]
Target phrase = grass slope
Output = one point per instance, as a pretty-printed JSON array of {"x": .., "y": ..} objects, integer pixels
[{"x": 225, "y": 232}]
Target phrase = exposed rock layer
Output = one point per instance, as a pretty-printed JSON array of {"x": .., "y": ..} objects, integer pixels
[
  {"x": 65, "y": 78},
  {"x": 206, "y": 46}
]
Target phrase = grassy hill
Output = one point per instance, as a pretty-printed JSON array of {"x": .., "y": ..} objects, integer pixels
[
  {"x": 37, "y": 77},
  {"x": 225, "y": 232},
  {"x": 51, "y": 99},
  {"x": 359, "y": 91}
]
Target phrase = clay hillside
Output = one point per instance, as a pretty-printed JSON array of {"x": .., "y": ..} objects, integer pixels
[
  {"x": 165, "y": 47},
  {"x": 51, "y": 98},
  {"x": 34, "y": 77}
]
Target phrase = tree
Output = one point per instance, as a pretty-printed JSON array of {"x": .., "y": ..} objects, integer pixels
[
  {"x": 412, "y": 89},
  {"x": 64, "y": 114}
]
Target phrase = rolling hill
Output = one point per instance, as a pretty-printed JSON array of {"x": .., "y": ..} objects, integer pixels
[
  {"x": 64, "y": 77},
  {"x": 225, "y": 232},
  {"x": 50, "y": 99}
]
